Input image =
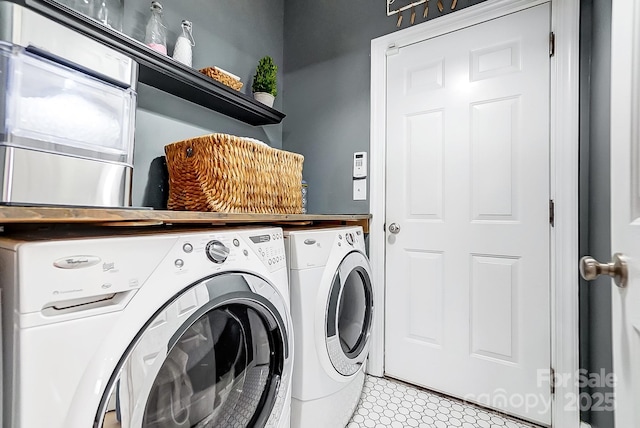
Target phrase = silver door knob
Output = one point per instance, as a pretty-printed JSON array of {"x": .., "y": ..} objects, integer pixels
[
  {"x": 394, "y": 228},
  {"x": 590, "y": 269}
]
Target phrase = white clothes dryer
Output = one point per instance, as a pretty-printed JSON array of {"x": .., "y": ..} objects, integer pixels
[
  {"x": 188, "y": 329},
  {"x": 332, "y": 311}
]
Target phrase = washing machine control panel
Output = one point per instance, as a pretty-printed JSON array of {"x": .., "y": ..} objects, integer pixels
[
  {"x": 216, "y": 251},
  {"x": 270, "y": 249},
  {"x": 349, "y": 238},
  {"x": 267, "y": 245}
]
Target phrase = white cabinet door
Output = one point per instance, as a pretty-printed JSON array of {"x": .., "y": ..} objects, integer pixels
[{"x": 467, "y": 273}]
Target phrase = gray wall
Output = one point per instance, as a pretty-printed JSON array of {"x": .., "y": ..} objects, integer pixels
[
  {"x": 327, "y": 93},
  {"x": 585, "y": 134},
  {"x": 595, "y": 228},
  {"x": 233, "y": 35}
]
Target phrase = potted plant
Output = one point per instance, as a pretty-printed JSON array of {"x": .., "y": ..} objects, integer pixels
[{"x": 264, "y": 81}]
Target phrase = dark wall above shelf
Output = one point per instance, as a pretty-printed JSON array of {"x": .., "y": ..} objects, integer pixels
[{"x": 162, "y": 72}]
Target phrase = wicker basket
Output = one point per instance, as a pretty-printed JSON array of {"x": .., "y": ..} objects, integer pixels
[
  {"x": 222, "y": 77},
  {"x": 225, "y": 173}
]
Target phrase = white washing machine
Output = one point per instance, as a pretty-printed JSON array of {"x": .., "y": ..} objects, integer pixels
[
  {"x": 168, "y": 330},
  {"x": 332, "y": 311}
]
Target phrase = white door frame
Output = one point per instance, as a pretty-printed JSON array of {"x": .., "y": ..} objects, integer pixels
[{"x": 565, "y": 23}]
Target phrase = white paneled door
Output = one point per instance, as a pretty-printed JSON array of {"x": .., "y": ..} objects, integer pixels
[
  {"x": 625, "y": 208},
  {"x": 467, "y": 214}
]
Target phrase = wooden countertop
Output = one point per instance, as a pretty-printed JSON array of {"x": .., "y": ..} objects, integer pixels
[{"x": 11, "y": 215}]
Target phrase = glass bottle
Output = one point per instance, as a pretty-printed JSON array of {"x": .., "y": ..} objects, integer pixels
[
  {"x": 85, "y": 7},
  {"x": 156, "y": 35},
  {"x": 183, "y": 50},
  {"x": 305, "y": 188},
  {"x": 110, "y": 13}
]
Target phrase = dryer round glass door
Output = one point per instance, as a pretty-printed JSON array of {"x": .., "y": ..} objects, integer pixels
[
  {"x": 213, "y": 357},
  {"x": 349, "y": 314}
]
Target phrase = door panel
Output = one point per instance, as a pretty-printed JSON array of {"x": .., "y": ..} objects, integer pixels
[
  {"x": 493, "y": 145},
  {"x": 493, "y": 306},
  {"x": 425, "y": 165},
  {"x": 425, "y": 300},
  {"x": 625, "y": 207},
  {"x": 467, "y": 275}
]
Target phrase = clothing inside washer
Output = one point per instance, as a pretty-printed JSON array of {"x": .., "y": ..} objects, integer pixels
[{"x": 216, "y": 375}]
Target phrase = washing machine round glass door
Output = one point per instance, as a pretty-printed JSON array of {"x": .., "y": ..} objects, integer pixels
[
  {"x": 213, "y": 357},
  {"x": 349, "y": 314}
]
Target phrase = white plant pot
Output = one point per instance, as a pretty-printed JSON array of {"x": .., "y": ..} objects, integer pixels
[{"x": 265, "y": 98}]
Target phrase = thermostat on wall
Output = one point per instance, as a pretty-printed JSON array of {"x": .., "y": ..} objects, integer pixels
[
  {"x": 359, "y": 164},
  {"x": 360, "y": 176}
]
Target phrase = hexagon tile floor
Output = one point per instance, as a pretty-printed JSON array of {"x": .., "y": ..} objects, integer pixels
[{"x": 389, "y": 404}]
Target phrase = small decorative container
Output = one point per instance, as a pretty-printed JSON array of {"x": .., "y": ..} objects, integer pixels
[
  {"x": 223, "y": 77},
  {"x": 156, "y": 32},
  {"x": 183, "y": 51},
  {"x": 110, "y": 13},
  {"x": 264, "y": 98}
]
